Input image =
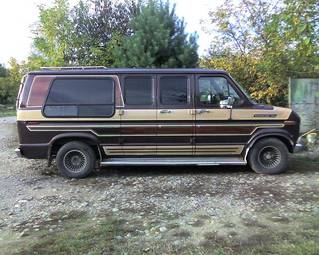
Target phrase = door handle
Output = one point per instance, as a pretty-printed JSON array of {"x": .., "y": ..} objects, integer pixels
[
  {"x": 202, "y": 111},
  {"x": 165, "y": 111}
]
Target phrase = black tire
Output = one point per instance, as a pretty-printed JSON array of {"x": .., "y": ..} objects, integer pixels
[
  {"x": 268, "y": 156},
  {"x": 75, "y": 160}
]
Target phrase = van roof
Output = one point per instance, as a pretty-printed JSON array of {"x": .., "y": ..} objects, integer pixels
[{"x": 86, "y": 71}]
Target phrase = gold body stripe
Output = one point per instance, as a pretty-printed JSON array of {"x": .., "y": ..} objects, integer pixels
[{"x": 174, "y": 150}]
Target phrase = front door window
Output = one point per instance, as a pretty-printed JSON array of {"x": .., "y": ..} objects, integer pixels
[{"x": 215, "y": 92}]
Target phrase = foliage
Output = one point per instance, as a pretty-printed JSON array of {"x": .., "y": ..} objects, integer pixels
[
  {"x": 83, "y": 35},
  {"x": 112, "y": 33},
  {"x": 52, "y": 44},
  {"x": 9, "y": 84},
  {"x": 99, "y": 31},
  {"x": 266, "y": 43},
  {"x": 3, "y": 71},
  {"x": 158, "y": 40},
  {"x": 245, "y": 71}
]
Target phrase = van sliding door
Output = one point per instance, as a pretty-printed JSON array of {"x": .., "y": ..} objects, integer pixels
[{"x": 138, "y": 116}]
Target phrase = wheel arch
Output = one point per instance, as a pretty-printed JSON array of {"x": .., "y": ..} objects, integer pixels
[
  {"x": 59, "y": 140},
  {"x": 282, "y": 135}
]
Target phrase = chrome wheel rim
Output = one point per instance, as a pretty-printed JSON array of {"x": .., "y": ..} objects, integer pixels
[
  {"x": 75, "y": 161},
  {"x": 269, "y": 157}
]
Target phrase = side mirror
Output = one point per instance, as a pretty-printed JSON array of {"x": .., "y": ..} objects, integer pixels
[{"x": 227, "y": 103}]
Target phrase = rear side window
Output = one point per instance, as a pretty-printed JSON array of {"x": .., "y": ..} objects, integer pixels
[
  {"x": 80, "y": 97},
  {"x": 173, "y": 90},
  {"x": 138, "y": 90}
]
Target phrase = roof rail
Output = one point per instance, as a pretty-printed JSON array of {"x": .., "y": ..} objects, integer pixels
[{"x": 72, "y": 67}]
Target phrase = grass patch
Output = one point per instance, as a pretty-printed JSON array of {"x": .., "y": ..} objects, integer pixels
[
  {"x": 7, "y": 110},
  {"x": 308, "y": 247},
  {"x": 118, "y": 236},
  {"x": 115, "y": 236},
  {"x": 79, "y": 237},
  {"x": 82, "y": 236}
]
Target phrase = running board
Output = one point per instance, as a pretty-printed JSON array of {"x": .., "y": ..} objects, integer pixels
[{"x": 199, "y": 161}]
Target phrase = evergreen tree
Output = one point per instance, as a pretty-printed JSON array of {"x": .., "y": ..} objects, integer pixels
[{"x": 158, "y": 40}]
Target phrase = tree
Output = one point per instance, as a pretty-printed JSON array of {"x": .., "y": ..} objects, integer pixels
[
  {"x": 99, "y": 27},
  {"x": 158, "y": 40},
  {"x": 3, "y": 71},
  {"x": 9, "y": 84},
  {"x": 52, "y": 44},
  {"x": 83, "y": 35},
  {"x": 270, "y": 41},
  {"x": 294, "y": 39}
]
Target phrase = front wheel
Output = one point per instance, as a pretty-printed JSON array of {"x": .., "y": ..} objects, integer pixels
[
  {"x": 268, "y": 156},
  {"x": 75, "y": 160}
]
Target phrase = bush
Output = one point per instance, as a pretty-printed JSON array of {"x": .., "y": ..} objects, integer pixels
[{"x": 8, "y": 91}]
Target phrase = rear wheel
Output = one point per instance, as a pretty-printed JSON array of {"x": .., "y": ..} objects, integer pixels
[
  {"x": 75, "y": 160},
  {"x": 268, "y": 156}
]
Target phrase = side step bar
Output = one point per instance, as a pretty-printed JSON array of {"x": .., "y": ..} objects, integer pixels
[{"x": 199, "y": 161}]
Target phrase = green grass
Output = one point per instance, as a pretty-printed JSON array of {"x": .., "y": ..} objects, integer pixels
[
  {"x": 308, "y": 247},
  {"x": 6, "y": 111},
  {"x": 82, "y": 236}
]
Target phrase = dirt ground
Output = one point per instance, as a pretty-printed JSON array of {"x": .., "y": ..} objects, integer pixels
[{"x": 155, "y": 210}]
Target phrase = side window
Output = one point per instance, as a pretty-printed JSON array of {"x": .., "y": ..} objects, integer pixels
[
  {"x": 214, "y": 91},
  {"x": 138, "y": 90},
  {"x": 80, "y": 97},
  {"x": 173, "y": 90}
]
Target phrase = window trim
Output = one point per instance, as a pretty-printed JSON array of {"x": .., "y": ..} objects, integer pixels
[
  {"x": 139, "y": 106},
  {"x": 189, "y": 104},
  {"x": 64, "y": 77},
  {"x": 230, "y": 83}
]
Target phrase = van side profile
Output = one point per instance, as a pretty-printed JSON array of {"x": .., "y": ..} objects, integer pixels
[{"x": 88, "y": 117}]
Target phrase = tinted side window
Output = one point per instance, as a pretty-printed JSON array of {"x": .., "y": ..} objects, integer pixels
[
  {"x": 173, "y": 90},
  {"x": 81, "y": 91},
  {"x": 80, "y": 97},
  {"x": 138, "y": 90}
]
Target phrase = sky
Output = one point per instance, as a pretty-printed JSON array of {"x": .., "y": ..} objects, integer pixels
[{"x": 17, "y": 17}]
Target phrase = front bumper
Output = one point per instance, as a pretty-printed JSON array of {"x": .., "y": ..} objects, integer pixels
[{"x": 298, "y": 148}]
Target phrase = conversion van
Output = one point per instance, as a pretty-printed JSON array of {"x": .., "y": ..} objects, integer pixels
[{"x": 90, "y": 117}]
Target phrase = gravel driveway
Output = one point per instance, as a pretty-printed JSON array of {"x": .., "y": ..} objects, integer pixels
[{"x": 202, "y": 206}]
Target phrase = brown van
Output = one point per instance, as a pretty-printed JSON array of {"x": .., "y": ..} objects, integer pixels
[{"x": 87, "y": 117}]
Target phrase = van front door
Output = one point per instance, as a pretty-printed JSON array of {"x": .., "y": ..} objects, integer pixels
[
  {"x": 175, "y": 117},
  {"x": 213, "y": 127}
]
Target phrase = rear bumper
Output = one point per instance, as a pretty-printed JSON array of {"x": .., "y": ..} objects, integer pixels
[
  {"x": 18, "y": 152},
  {"x": 33, "y": 151}
]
